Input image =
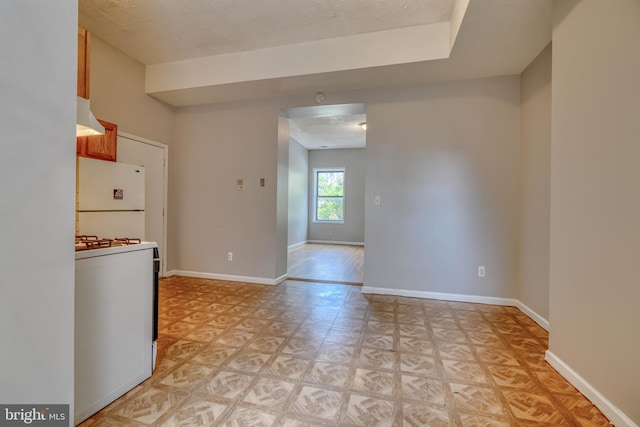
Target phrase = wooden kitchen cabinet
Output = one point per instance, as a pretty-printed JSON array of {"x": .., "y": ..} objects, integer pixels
[
  {"x": 84, "y": 57},
  {"x": 103, "y": 147}
]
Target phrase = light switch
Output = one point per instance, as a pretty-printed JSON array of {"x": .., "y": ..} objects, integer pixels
[{"x": 376, "y": 200}]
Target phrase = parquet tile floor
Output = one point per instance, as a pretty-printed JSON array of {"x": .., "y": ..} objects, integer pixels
[{"x": 308, "y": 354}]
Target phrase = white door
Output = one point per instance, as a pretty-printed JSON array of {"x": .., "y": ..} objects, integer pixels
[{"x": 151, "y": 155}]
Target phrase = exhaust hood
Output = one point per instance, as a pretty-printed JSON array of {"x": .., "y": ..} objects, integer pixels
[{"x": 86, "y": 123}]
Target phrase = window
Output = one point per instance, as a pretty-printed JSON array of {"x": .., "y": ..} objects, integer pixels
[{"x": 329, "y": 195}]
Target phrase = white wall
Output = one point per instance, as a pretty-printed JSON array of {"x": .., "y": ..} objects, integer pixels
[
  {"x": 37, "y": 169},
  {"x": 443, "y": 157},
  {"x": 354, "y": 162},
  {"x": 118, "y": 96},
  {"x": 444, "y": 160},
  {"x": 298, "y": 192},
  {"x": 282, "y": 198},
  {"x": 215, "y": 146},
  {"x": 535, "y": 187},
  {"x": 595, "y": 198}
]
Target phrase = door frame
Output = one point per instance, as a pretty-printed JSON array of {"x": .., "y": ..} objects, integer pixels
[{"x": 165, "y": 192}]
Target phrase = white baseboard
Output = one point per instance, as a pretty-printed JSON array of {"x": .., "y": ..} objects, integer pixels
[
  {"x": 440, "y": 296},
  {"x": 230, "y": 278},
  {"x": 297, "y": 245},
  {"x": 544, "y": 323},
  {"x": 611, "y": 411},
  {"x": 336, "y": 242}
]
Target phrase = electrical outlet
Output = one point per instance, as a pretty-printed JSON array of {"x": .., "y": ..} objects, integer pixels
[
  {"x": 481, "y": 271},
  {"x": 230, "y": 256}
]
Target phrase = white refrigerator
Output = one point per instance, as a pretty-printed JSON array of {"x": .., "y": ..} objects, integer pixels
[{"x": 110, "y": 199}]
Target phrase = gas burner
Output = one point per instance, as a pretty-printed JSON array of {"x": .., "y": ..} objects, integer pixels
[
  {"x": 94, "y": 242},
  {"x": 83, "y": 238},
  {"x": 91, "y": 242},
  {"x": 122, "y": 241}
]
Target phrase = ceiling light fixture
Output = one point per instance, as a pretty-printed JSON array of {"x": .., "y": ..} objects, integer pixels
[{"x": 363, "y": 125}]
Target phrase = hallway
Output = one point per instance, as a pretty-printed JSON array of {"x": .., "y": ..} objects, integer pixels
[{"x": 327, "y": 263}]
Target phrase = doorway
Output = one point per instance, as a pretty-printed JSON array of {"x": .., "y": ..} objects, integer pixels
[
  {"x": 324, "y": 262},
  {"x": 153, "y": 156},
  {"x": 327, "y": 165}
]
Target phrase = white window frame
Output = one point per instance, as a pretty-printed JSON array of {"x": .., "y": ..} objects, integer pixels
[{"x": 314, "y": 213}]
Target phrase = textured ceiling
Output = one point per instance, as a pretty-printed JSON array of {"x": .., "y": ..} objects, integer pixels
[
  {"x": 161, "y": 31},
  {"x": 495, "y": 37}
]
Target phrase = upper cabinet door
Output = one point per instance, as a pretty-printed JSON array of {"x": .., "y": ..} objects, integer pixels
[
  {"x": 103, "y": 147},
  {"x": 84, "y": 57}
]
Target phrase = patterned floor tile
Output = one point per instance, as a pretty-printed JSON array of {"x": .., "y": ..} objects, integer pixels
[
  {"x": 373, "y": 381},
  {"x": 379, "y": 359},
  {"x": 270, "y": 393},
  {"x": 205, "y": 333},
  {"x": 288, "y": 366},
  {"x": 149, "y": 405},
  {"x": 513, "y": 377},
  {"x": 234, "y": 338},
  {"x": 464, "y": 371},
  {"x": 474, "y": 398},
  {"x": 586, "y": 414},
  {"x": 378, "y": 341},
  {"x": 311, "y": 354},
  {"x": 422, "y": 389},
  {"x": 184, "y": 349},
  {"x": 415, "y": 345},
  {"x": 381, "y": 328},
  {"x": 486, "y": 339},
  {"x": 289, "y": 421},
  {"x": 301, "y": 347},
  {"x": 336, "y": 353},
  {"x": 248, "y": 417},
  {"x": 369, "y": 412},
  {"x": 326, "y": 373},
  {"x": 483, "y": 421},
  {"x": 317, "y": 402},
  {"x": 284, "y": 329},
  {"x": 449, "y": 335},
  {"x": 499, "y": 356},
  {"x": 416, "y": 415},
  {"x": 227, "y": 384},
  {"x": 196, "y": 413},
  {"x": 267, "y": 343},
  {"x": 555, "y": 382},
  {"x": 214, "y": 355},
  {"x": 418, "y": 364},
  {"x": 534, "y": 407},
  {"x": 455, "y": 351},
  {"x": 187, "y": 375},
  {"x": 248, "y": 361}
]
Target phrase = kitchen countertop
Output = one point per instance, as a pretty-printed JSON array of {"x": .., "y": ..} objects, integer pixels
[{"x": 91, "y": 253}]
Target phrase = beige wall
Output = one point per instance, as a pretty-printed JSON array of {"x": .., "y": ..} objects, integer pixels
[
  {"x": 444, "y": 160},
  {"x": 117, "y": 95},
  {"x": 37, "y": 171},
  {"x": 534, "y": 191},
  {"x": 298, "y": 193},
  {"x": 595, "y": 196},
  {"x": 215, "y": 146}
]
